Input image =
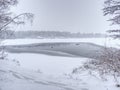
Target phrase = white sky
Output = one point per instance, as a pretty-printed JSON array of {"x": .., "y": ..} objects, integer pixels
[{"x": 64, "y": 15}]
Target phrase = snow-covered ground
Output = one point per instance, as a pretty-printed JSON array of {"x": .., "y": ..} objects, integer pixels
[
  {"x": 43, "y": 72},
  {"x": 13, "y": 77}
]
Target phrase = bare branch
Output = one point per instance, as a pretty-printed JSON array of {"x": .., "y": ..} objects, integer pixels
[{"x": 27, "y": 15}]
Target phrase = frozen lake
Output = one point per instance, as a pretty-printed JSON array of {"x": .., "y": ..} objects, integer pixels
[
  {"x": 99, "y": 41},
  {"x": 53, "y": 64}
]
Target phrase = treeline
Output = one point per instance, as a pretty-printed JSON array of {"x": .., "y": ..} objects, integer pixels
[{"x": 47, "y": 34}]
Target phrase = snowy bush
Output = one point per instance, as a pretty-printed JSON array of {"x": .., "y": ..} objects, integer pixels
[{"x": 107, "y": 64}]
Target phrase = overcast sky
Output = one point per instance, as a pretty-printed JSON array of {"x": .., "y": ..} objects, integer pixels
[{"x": 64, "y": 15}]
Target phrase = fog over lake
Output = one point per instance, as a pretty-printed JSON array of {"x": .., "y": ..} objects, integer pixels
[{"x": 65, "y": 15}]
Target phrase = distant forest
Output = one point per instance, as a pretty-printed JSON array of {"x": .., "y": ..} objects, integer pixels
[{"x": 47, "y": 34}]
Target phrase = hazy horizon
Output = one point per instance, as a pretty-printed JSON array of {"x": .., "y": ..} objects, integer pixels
[{"x": 64, "y": 15}]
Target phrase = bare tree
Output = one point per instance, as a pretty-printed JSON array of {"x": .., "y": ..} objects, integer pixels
[
  {"x": 112, "y": 9},
  {"x": 7, "y": 19}
]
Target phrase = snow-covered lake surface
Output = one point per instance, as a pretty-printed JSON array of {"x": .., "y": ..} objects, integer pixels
[
  {"x": 99, "y": 41},
  {"x": 54, "y": 65}
]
